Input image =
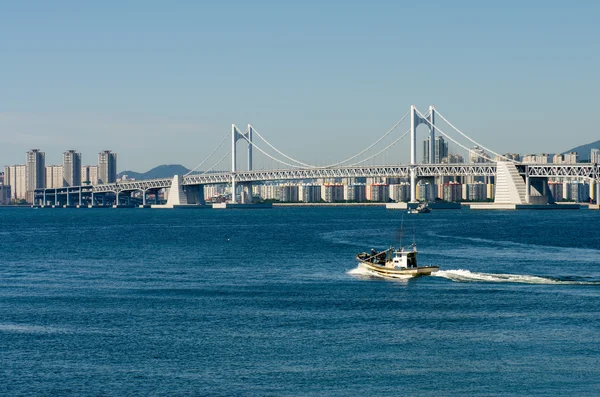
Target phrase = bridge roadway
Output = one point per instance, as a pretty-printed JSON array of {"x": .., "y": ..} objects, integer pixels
[{"x": 590, "y": 171}]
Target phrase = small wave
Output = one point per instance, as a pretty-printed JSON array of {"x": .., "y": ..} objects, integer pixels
[
  {"x": 466, "y": 276},
  {"x": 31, "y": 329}
]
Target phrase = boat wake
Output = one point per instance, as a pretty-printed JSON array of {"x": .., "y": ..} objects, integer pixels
[{"x": 466, "y": 276}]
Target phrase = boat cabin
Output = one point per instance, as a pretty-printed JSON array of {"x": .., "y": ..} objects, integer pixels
[{"x": 404, "y": 259}]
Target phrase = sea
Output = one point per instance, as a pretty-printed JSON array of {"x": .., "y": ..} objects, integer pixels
[{"x": 271, "y": 302}]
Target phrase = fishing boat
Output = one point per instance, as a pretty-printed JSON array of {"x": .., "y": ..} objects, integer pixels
[
  {"x": 393, "y": 262},
  {"x": 422, "y": 208}
]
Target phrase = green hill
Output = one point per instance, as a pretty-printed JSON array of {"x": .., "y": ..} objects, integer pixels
[
  {"x": 162, "y": 171},
  {"x": 583, "y": 151}
]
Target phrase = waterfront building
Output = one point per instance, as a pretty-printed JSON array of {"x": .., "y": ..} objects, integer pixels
[
  {"x": 15, "y": 176},
  {"x": 5, "y": 196},
  {"x": 576, "y": 191},
  {"x": 89, "y": 175},
  {"x": 35, "y": 172},
  {"x": 400, "y": 192},
  {"x": 355, "y": 192},
  {"x": 474, "y": 191},
  {"x": 556, "y": 190},
  {"x": 270, "y": 192},
  {"x": 310, "y": 193},
  {"x": 55, "y": 176},
  {"x": 107, "y": 167},
  {"x": 289, "y": 193},
  {"x": 426, "y": 191},
  {"x": 451, "y": 191},
  {"x": 378, "y": 192},
  {"x": 214, "y": 193},
  {"x": 71, "y": 168},
  {"x": 332, "y": 192}
]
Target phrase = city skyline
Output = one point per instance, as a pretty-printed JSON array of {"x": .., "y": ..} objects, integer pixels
[{"x": 162, "y": 84}]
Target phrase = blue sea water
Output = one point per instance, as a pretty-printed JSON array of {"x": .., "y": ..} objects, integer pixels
[{"x": 271, "y": 302}]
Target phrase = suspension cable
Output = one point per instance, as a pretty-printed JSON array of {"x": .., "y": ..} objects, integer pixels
[
  {"x": 381, "y": 151},
  {"x": 376, "y": 142},
  {"x": 271, "y": 157},
  {"x": 447, "y": 136},
  {"x": 209, "y": 156},
  {"x": 217, "y": 163},
  {"x": 283, "y": 154},
  {"x": 460, "y": 132}
]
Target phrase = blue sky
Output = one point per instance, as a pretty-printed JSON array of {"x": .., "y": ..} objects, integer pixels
[{"x": 162, "y": 82}]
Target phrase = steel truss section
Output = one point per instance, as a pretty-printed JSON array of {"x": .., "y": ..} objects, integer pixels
[
  {"x": 563, "y": 170},
  {"x": 424, "y": 170},
  {"x": 402, "y": 171}
]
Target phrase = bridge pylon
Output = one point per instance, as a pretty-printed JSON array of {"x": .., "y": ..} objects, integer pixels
[
  {"x": 415, "y": 120},
  {"x": 235, "y": 136}
]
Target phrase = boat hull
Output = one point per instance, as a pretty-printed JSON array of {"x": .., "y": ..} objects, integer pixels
[{"x": 397, "y": 272}]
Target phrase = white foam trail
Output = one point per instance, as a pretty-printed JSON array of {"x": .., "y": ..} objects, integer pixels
[{"x": 461, "y": 275}]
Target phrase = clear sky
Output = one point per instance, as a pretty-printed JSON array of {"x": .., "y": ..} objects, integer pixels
[{"x": 161, "y": 82}]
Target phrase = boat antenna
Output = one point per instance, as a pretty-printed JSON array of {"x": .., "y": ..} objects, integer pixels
[
  {"x": 401, "y": 231},
  {"x": 413, "y": 230}
]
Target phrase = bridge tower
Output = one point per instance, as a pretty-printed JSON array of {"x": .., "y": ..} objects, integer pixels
[
  {"x": 235, "y": 136},
  {"x": 415, "y": 120}
]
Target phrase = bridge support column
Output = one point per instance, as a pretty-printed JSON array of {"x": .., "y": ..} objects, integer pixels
[
  {"x": 44, "y": 203},
  {"x": 80, "y": 196},
  {"x": 431, "y": 134},
  {"x": 144, "y": 198},
  {"x": 413, "y": 153},
  {"x": 527, "y": 187}
]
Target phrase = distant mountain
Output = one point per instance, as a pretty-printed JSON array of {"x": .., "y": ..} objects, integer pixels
[
  {"x": 583, "y": 151},
  {"x": 162, "y": 171}
]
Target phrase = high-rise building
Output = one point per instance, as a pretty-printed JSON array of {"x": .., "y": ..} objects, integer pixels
[
  {"x": 5, "y": 194},
  {"x": 379, "y": 192},
  {"x": 35, "y": 172},
  {"x": 355, "y": 192},
  {"x": 107, "y": 167},
  {"x": 71, "y": 168},
  {"x": 440, "y": 150},
  {"x": 89, "y": 175},
  {"x": 332, "y": 192},
  {"x": 289, "y": 193},
  {"x": 54, "y": 176},
  {"x": 15, "y": 176},
  {"x": 310, "y": 193}
]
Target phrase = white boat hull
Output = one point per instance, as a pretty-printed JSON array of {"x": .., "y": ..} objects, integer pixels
[{"x": 399, "y": 272}]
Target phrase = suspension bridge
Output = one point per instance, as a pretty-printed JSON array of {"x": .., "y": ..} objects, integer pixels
[{"x": 514, "y": 176}]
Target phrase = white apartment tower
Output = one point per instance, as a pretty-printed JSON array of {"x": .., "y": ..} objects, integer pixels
[
  {"x": 54, "y": 176},
  {"x": 89, "y": 175},
  {"x": 107, "y": 167},
  {"x": 15, "y": 176},
  {"x": 71, "y": 168}
]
